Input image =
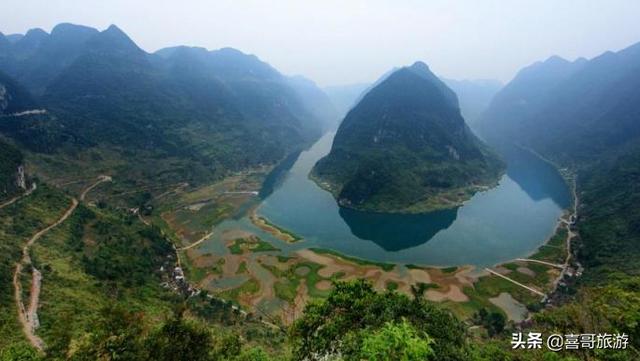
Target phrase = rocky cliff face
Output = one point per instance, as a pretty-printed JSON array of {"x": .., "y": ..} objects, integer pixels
[{"x": 21, "y": 181}]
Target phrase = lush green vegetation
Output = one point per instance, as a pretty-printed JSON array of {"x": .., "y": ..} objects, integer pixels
[
  {"x": 111, "y": 106},
  {"x": 18, "y": 222},
  {"x": 406, "y": 148},
  {"x": 583, "y": 116},
  {"x": 122, "y": 335},
  {"x": 609, "y": 222},
  {"x": 253, "y": 244},
  {"x": 286, "y": 287},
  {"x": 188, "y": 115},
  {"x": 13, "y": 97},
  {"x": 344, "y": 322},
  {"x": 396, "y": 341},
  {"x": 98, "y": 257},
  {"x": 10, "y": 159},
  {"x": 250, "y": 287},
  {"x": 614, "y": 308}
]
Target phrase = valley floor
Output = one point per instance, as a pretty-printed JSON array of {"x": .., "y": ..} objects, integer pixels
[{"x": 239, "y": 266}]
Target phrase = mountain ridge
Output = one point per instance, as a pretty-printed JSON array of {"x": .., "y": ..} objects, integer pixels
[
  {"x": 405, "y": 148},
  {"x": 224, "y": 109}
]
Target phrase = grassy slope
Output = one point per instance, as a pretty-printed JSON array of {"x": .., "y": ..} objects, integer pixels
[
  {"x": 77, "y": 284},
  {"x": 18, "y": 222}
]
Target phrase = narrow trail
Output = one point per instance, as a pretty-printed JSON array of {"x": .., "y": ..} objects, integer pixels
[
  {"x": 541, "y": 262},
  {"x": 17, "y": 198},
  {"x": 196, "y": 243},
  {"x": 29, "y": 317},
  {"x": 515, "y": 282},
  {"x": 101, "y": 179}
]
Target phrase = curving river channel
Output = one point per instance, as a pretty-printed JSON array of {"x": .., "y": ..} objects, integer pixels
[{"x": 509, "y": 221}]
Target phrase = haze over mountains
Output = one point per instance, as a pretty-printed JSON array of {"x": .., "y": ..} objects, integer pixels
[
  {"x": 571, "y": 111},
  {"x": 189, "y": 136},
  {"x": 584, "y": 116},
  {"x": 474, "y": 95},
  {"x": 220, "y": 110},
  {"x": 405, "y": 148}
]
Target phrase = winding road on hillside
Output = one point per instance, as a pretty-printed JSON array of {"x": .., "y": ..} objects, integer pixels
[
  {"x": 29, "y": 317},
  {"x": 16, "y": 198}
]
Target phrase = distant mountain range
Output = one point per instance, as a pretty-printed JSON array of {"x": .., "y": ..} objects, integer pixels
[
  {"x": 584, "y": 115},
  {"x": 474, "y": 95},
  {"x": 405, "y": 148},
  {"x": 571, "y": 111},
  {"x": 217, "y": 110}
]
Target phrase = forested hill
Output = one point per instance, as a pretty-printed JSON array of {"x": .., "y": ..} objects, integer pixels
[
  {"x": 10, "y": 160},
  {"x": 584, "y": 115},
  {"x": 405, "y": 148},
  {"x": 13, "y": 97},
  {"x": 215, "y": 110},
  {"x": 571, "y": 111}
]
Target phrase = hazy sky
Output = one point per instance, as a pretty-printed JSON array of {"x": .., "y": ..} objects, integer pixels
[{"x": 350, "y": 41}]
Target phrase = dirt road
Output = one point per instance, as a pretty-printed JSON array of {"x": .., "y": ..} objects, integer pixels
[
  {"x": 515, "y": 282},
  {"x": 196, "y": 243},
  {"x": 16, "y": 198},
  {"x": 29, "y": 317}
]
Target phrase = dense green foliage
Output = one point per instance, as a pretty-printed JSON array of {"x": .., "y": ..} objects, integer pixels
[
  {"x": 13, "y": 97},
  {"x": 121, "y": 335},
  {"x": 493, "y": 322},
  {"x": 396, "y": 341},
  {"x": 403, "y": 146},
  {"x": 112, "y": 105},
  {"x": 344, "y": 322},
  {"x": 18, "y": 222},
  {"x": 614, "y": 308},
  {"x": 610, "y": 219},
  {"x": 113, "y": 257},
  {"x": 10, "y": 160},
  {"x": 584, "y": 116},
  {"x": 191, "y": 114}
]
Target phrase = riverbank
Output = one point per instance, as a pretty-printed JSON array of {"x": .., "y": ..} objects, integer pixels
[
  {"x": 294, "y": 270},
  {"x": 442, "y": 200}
]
